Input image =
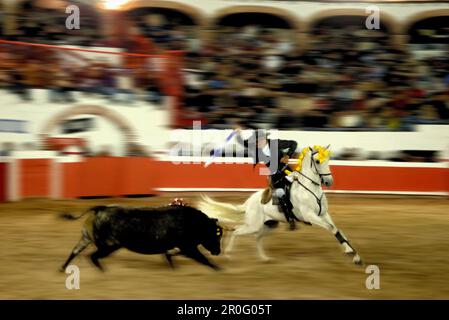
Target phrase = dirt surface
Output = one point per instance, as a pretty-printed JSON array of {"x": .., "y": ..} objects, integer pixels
[{"x": 406, "y": 237}]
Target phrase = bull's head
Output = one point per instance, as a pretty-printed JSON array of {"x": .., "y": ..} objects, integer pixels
[{"x": 212, "y": 237}]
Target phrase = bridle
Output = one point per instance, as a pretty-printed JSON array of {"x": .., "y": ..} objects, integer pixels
[
  {"x": 312, "y": 162},
  {"x": 316, "y": 169}
]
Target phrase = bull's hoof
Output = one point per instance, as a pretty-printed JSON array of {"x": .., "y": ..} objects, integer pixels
[{"x": 216, "y": 268}]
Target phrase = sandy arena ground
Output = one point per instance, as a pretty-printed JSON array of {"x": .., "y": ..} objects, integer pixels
[{"x": 408, "y": 238}]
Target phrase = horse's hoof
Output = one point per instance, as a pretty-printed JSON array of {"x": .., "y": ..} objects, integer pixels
[
  {"x": 348, "y": 249},
  {"x": 227, "y": 256},
  {"x": 357, "y": 260},
  {"x": 61, "y": 269},
  {"x": 266, "y": 259}
]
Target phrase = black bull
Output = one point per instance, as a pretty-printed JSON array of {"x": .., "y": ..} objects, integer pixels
[{"x": 148, "y": 230}]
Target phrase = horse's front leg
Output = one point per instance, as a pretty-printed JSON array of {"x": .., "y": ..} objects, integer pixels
[
  {"x": 325, "y": 221},
  {"x": 341, "y": 237}
]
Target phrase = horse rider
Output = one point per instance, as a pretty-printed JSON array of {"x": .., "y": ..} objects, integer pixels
[{"x": 275, "y": 154}]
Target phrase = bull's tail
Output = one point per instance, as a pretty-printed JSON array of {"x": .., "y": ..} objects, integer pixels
[
  {"x": 70, "y": 216},
  {"x": 220, "y": 209}
]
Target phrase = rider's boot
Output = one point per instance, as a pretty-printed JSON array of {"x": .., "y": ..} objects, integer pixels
[{"x": 287, "y": 209}]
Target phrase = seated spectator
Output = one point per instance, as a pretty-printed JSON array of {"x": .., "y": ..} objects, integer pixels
[{"x": 60, "y": 86}]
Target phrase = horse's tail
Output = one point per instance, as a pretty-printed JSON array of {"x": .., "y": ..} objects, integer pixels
[
  {"x": 70, "y": 216},
  {"x": 219, "y": 209}
]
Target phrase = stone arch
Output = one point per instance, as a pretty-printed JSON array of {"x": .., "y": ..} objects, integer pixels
[
  {"x": 124, "y": 126},
  {"x": 286, "y": 15},
  {"x": 195, "y": 13}
]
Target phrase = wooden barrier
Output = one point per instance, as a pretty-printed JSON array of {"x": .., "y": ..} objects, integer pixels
[
  {"x": 3, "y": 182},
  {"x": 390, "y": 179},
  {"x": 34, "y": 177},
  {"x": 109, "y": 176},
  {"x": 114, "y": 176}
]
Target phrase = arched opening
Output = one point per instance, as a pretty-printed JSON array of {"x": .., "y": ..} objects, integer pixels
[
  {"x": 343, "y": 22},
  {"x": 126, "y": 131},
  {"x": 348, "y": 33},
  {"x": 264, "y": 20},
  {"x": 45, "y": 21},
  {"x": 434, "y": 30},
  {"x": 168, "y": 16},
  {"x": 264, "y": 16},
  {"x": 167, "y": 28},
  {"x": 429, "y": 44}
]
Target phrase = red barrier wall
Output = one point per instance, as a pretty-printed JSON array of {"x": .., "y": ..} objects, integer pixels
[
  {"x": 3, "y": 182},
  {"x": 358, "y": 178},
  {"x": 125, "y": 176},
  {"x": 34, "y": 177},
  {"x": 111, "y": 176},
  {"x": 215, "y": 176}
]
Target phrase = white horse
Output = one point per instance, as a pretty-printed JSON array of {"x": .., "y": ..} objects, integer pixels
[{"x": 306, "y": 195}]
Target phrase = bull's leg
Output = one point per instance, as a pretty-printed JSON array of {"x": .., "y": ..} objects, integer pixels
[
  {"x": 196, "y": 255},
  {"x": 102, "y": 252},
  {"x": 82, "y": 244},
  {"x": 169, "y": 256}
]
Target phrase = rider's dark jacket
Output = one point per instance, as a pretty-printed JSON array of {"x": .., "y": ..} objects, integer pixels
[{"x": 278, "y": 148}]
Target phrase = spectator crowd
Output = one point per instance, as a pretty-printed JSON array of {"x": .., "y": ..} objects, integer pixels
[{"x": 348, "y": 78}]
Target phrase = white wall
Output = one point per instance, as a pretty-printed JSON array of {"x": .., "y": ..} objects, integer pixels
[
  {"x": 150, "y": 122},
  {"x": 427, "y": 137},
  {"x": 151, "y": 126}
]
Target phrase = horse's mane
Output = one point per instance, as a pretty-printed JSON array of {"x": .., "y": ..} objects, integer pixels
[
  {"x": 323, "y": 155},
  {"x": 302, "y": 154}
]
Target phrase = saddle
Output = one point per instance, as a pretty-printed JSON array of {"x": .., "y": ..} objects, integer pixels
[{"x": 266, "y": 195}]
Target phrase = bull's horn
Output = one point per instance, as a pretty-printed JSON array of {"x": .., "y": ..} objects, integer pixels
[{"x": 328, "y": 146}]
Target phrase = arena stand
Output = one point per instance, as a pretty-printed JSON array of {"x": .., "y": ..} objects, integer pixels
[{"x": 216, "y": 95}]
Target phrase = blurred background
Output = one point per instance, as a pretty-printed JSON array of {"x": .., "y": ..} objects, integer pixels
[
  {"x": 278, "y": 65},
  {"x": 132, "y": 102}
]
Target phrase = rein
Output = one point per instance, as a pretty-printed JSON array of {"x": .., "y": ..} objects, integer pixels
[{"x": 318, "y": 199}]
